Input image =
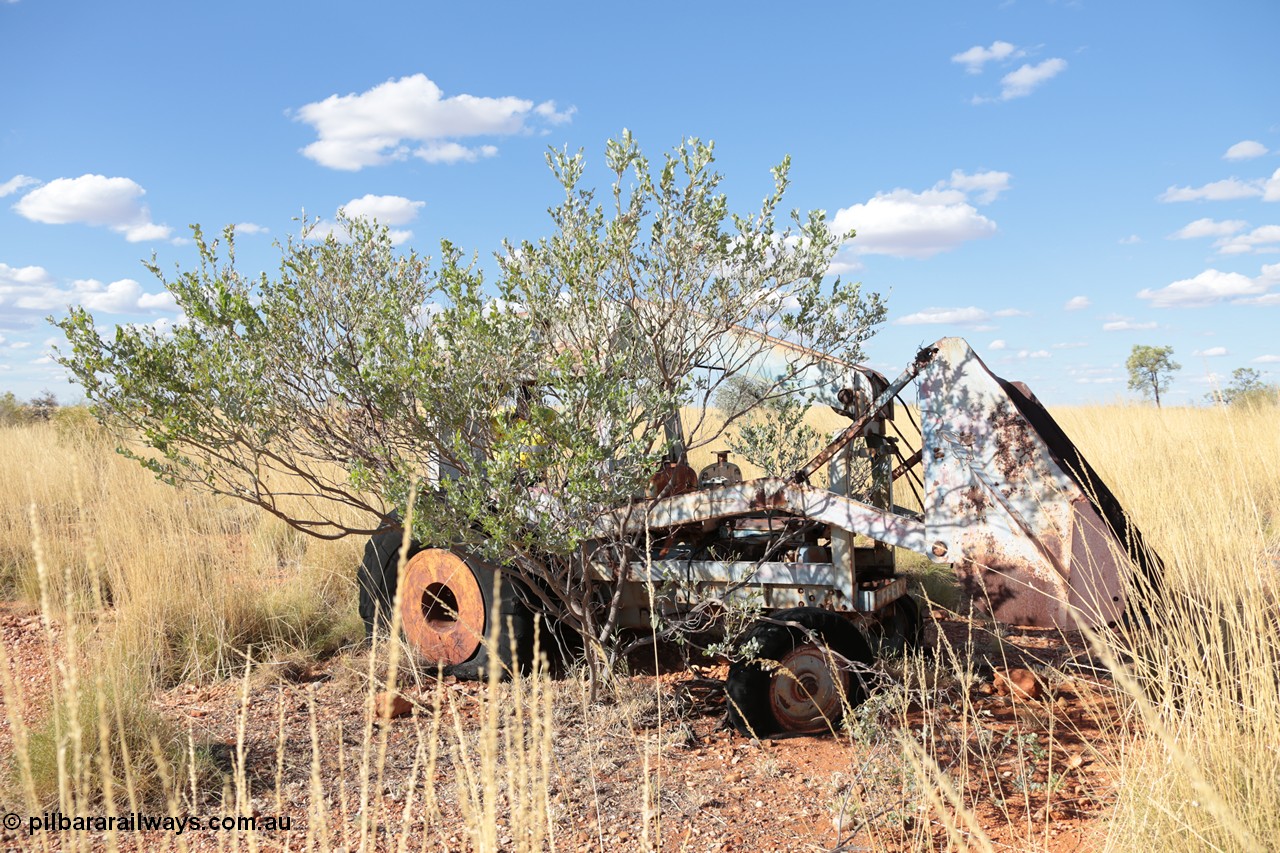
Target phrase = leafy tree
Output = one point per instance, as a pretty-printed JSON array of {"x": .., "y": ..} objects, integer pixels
[
  {"x": 505, "y": 417},
  {"x": 12, "y": 412},
  {"x": 740, "y": 394},
  {"x": 1246, "y": 388},
  {"x": 43, "y": 406},
  {"x": 1150, "y": 370}
]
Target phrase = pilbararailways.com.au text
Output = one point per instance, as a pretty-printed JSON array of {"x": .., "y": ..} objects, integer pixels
[{"x": 143, "y": 822}]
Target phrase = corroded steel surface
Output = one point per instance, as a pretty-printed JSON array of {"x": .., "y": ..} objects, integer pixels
[
  {"x": 804, "y": 694},
  {"x": 1020, "y": 532},
  {"x": 766, "y": 493},
  {"x": 1007, "y": 500},
  {"x": 441, "y": 607},
  {"x": 853, "y": 430}
]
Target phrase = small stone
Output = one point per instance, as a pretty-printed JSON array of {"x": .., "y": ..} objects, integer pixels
[
  {"x": 1018, "y": 683},
  {"x": 389, "y": 705}
]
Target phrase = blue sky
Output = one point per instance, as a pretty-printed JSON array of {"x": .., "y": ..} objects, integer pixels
[{"x": 1055, "y": 181}]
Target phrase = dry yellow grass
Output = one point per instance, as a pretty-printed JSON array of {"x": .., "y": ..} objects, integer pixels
[
  {"x": 190, "y": 583},
  {"x": 1204, "y": 485},
  {"x": 154, "y": 586}
]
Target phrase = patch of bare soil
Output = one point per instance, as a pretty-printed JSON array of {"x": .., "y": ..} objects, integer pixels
[
  {"x": 1028, "y": 761},
  {"x": 27, "y": 657}
]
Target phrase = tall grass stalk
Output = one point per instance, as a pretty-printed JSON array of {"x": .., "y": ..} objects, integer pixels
[{"x": 140, "y": 588}]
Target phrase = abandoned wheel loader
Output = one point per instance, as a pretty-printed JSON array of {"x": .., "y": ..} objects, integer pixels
[{"x": 1032, "y": 533}]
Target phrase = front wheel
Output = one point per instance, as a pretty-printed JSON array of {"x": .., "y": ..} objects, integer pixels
[
  {"x": 807, "y": 671},
  {"x": 446, "y": 610}
]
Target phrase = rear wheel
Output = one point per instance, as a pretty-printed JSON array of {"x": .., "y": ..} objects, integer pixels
[
  {"x": 376, "y": 577},
  {"x": 807, "y": 671},
  {"x": 898, "y": 629}
]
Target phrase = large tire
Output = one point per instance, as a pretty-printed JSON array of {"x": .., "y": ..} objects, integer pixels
[
  {"x": 376, "y": 577},
  {"x": 790, "y": 686},
  {"x": 899, "y": 629},
  {"x": 446, "y": 612}
]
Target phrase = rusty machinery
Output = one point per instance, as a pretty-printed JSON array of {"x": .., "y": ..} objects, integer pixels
[{"x": 1006, "y": 499}]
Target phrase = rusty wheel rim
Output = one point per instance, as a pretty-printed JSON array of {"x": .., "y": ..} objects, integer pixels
[
  {"x": 441, "y": 607},
  {"x": 804, "y": 694}
]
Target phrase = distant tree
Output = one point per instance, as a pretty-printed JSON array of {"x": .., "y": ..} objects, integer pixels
[
  {"x": 43, "y": 406},
  {"x": 12, "y": 412},
  {"x": 1150, "y": 370},
  {"x": 1246, "y": 388}
]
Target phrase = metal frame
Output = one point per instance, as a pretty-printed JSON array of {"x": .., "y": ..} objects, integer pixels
[{"x": 1008, "y": 500}]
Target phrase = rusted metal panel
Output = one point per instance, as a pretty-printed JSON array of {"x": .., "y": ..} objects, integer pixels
[
  {"x": 1097, "y": 587},
  {"x": 766, "y": 493},
  {"x": 1008, "y": 500},
  {"x": 879, "y": 594},
  {"x": 1000, "y": 506},
  {"x": 849, "y": 433}
]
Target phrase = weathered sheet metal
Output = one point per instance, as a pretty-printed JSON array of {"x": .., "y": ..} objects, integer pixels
[
  {"x": 766, "y": 493},
  {"x": 1008, "y": 500},
  {"x": 855, "y": 429},
  {"x": 1020, "y": 530}
]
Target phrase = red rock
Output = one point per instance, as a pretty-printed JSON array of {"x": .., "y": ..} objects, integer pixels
[
  {"x": 1018, "y": 683},
  {"x": 388, "y": 705}
]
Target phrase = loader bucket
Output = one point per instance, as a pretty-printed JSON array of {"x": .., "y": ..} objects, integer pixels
[{"x": 1010, "y": 502}]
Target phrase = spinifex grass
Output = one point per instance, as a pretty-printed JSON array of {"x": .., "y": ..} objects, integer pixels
[{"x": 142, "y": 587}]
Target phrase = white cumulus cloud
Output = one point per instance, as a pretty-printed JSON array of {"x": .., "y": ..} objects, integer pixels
[
  {"x": 1077, "y": 303},
  {"x": 386, "y": 210},
  {"x": 1263, "y": 239},
  {"x": 988, "y": 185},
  {"x": 1025, "y": 80},
  {"x": 15, "y": 184},
  {"x": 1265, "y": 299},
  {"x": 120, "y": 297},
  {"x": 28, "y": 293},
  {"x": 945, "y": 316},
  {"x": 1126, "y": 326},
  {"x": 251, "y": 228},
  {"x": 1208, "y": 228},
  {"x": 1245, "y": 150},
  {"x": 1224, "y": 190},
  {"x": 411, "y": 116},
  {"x": 1211, "y": 352},
  {"x": 114, "y": 203},
  {"x": 1267, "y": 359},
  {"x": 14, "y": 278},
  {"x": 977, "y": 56},
  {"x": 907, "y": 224},
  {"x": 997, "y": 345},
  {"x": 1207, "y": 288}
]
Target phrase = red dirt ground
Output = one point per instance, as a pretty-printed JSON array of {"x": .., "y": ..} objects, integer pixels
[{"x": 1030, "y": 770}]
